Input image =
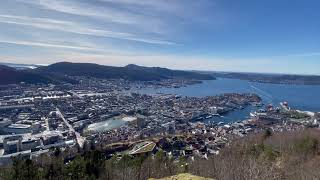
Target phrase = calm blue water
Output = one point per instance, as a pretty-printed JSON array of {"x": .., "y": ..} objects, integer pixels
[{"x": 302, "y": 97}]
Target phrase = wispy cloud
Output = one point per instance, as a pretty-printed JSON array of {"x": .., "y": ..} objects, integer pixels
[
  {"x": 155, "y": 5},
  {"x": 72, "y": 27},
  {"x": 152, "y": 3},
  {"x": 151, "y": 16},
  {"x": 103, "y": 31},
  {"x": 50, "y": 45},
  {"x": 89, "y": 10}
]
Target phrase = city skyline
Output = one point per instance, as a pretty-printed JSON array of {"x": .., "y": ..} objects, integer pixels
[{"x": 246, "y": 36}]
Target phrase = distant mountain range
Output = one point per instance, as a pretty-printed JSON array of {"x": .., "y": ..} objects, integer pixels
[
  {"x": 64, "y": 71},
  {"x": 170, "y": 74},
  {"x": 270, "y": 78},
  {"x": 9, "y": 75},
  {"x": 61, "y": 72}
]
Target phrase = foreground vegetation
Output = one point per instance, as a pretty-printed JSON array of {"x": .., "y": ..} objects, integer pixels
[{"x": 286, "y": 155}]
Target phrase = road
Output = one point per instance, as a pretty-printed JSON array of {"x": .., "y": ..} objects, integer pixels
[
  {"x": 75, "y": 94},
  {"x": 80, "y": 139},
  {"x": 47, "y": 124}
]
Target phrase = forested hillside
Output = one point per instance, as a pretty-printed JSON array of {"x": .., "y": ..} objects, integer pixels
[{"x": 286, "y": 155}]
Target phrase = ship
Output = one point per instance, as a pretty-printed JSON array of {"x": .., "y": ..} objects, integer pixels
[{"x": 253, "y": 114}]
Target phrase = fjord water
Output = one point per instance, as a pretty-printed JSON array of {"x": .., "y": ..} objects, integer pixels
[{"x": 301, "y": 97}]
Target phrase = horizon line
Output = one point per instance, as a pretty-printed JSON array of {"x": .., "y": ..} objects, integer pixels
[{"x": 203, "y": 71}]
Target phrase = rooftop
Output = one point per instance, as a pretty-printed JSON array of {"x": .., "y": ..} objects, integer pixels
[
  {"x": 143, "y": 147},
  {"x": 19, "y": 126}
]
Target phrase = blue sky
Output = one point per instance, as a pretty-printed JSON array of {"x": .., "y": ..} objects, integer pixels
[{"x": 277, "y": 36}]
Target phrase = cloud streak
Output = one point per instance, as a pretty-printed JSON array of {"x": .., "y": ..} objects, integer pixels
[
  {"x": 50, "y": 45},
  {"x": 72, "y": 27},
  {"x": 78, "y": 8},
  {"x": 154, "y": 16}
]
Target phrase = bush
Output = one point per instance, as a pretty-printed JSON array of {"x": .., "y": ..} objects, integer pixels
[{"x": 306, "y": 145}]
